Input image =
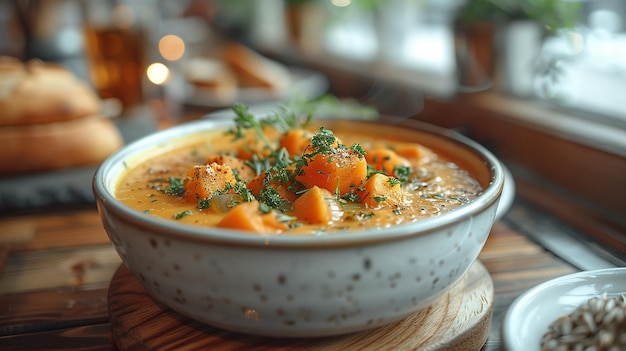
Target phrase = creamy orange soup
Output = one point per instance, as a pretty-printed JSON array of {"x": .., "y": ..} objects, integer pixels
[{"x": 322, "y": 181}]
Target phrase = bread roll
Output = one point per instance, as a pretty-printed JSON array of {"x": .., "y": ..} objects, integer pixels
[
  {"x": 36, "y": 92},
  {"x": 42, "y": 147},
  {"x": 212, "y": 76},
  {"x": 254, "y": 70}
]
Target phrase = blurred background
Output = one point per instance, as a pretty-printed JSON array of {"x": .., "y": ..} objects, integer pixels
[
  {"x": 566, "y": 52},
  {"x": 541, "y": 83}
]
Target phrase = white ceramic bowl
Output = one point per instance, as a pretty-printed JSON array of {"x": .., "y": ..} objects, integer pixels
[
  {"x": 528, "y": 317},
  {"x": 293, "y": 286}
]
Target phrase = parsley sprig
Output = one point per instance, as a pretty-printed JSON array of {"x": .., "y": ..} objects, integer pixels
[{"x": 176, "y": 187}]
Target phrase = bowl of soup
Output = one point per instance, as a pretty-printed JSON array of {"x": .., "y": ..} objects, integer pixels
[{"x": 284, "y": 228}]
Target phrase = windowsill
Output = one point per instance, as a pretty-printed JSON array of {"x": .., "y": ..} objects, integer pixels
[
  {"x": 562, "y": 124},
  {"x": 565, "y": 163},
  {"x": 431, "y": 84},
  {"x": 570, "y": 124}
]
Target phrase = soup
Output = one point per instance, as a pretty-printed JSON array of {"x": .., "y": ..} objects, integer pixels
[{"x": 280, "y": 177}]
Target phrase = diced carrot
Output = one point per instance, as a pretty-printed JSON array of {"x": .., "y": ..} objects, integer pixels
[
  {"x": 251, "y": 144},
  {"x": 414, "y": 152},
  {"x": 272, "y": 223},
  {"x": 342, "y": 170},
  {"x": 385, "y": 160},
  {"x": 317, "y": 206},
  {"x": 295, "y": 141},
  {"x": 271, "y": 132},
  {"x": 258, "y": 183},
  {"x": 239, "y": 166},
  {"x": 246, "y": 216},
  {"x": 408, "y": 150},
  {"x": 378, "y": 191},
  {"x": 251, "y": 147},
  {"x": 203, "y": 181}
]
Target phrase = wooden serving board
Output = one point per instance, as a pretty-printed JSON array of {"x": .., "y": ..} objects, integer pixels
[{"x": 459, "y": 320}]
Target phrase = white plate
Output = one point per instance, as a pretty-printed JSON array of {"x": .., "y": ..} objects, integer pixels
[
  {"x": 528, "y": 318},
  {"x": 305, "y": 84}
]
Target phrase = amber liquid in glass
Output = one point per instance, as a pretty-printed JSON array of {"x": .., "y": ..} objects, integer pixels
[{"x": 116, "y": 64}]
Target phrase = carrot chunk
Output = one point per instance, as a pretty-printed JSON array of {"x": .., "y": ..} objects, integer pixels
[
  {"x": 203, "y": 181},
  {"x": 342, "y": 170},
  {"x": 379, "y": 191},
  {"x": 385, "y": 160},
  {"x": 317, "y": 206},
  {"x": 246, "y": 216},
  {"x": 414, "y": 152},
  {"x": 409, "y": 150},
  {"x": 263, "y": 181},
  {"x": 251, "y": 144},
  {"x": 295, "y": 141},
  {"x": 239, "y": 166},
  {"x": 252, "y": 148}
]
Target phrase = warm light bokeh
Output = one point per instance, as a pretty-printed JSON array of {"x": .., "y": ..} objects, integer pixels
[
  {"x": 171, "y": 47},
  {"x": 341, "y": 3},
  {"x": 158, "y": 73}
]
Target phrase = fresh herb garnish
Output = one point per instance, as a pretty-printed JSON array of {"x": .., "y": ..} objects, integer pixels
[
  {"x": 393, "y": 181},
  {"x": 246, "y": 120},
  {"x": 246, "y": 194},
  {"x": 371, "y": 170},
  {"x": 203, "y": 204},
  {"x": 323, "y": 142},
  {"x": 352, "y": 196},
  {"x": 270, "y": 197},
  {"x": 380, "y": 198},
  {"x": 182, "y": 214},
  {"x": 358, "y": 149},
  {"x": 176, "y": 187},
  {"x": 402, "y": 173}
]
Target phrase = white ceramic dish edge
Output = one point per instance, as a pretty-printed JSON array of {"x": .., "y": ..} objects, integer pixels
[
  {"x": 529, "y": 316},
  {"x": 398, "y": 270}
]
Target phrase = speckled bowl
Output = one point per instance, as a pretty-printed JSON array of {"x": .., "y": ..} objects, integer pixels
[{"x": 296, "y": 286}]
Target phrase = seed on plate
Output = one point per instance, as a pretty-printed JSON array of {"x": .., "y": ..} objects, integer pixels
[
  {"x": 606, "y": 338},
  {"x": 588, "y": 318},
  {"x": 599, "y": 324}
]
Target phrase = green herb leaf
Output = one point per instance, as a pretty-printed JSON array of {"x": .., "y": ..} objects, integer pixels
[
  {"x": 393, "y": 181},
  {"x": 402, "y": 173},
  {"x": 182, "y": 214},
  {"x": 358, "y": 149},
  {"x": 352, "y": 196},
  {"x": 176, "y": 187},
  {"x": 380, "y": 198}
]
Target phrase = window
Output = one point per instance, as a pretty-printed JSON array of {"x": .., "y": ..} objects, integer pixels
[
  {"x": 589, "y": 62},
  {"x": 582, "y": 69}
]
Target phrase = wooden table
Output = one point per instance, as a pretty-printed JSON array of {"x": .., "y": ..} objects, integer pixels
[{"x": 57, "y": 267}]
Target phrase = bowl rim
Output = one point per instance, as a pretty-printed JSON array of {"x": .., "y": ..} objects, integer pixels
[{"x": 161, "y": 226}]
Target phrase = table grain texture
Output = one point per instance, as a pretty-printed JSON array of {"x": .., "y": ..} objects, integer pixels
[{"x": 56, "y": 267}]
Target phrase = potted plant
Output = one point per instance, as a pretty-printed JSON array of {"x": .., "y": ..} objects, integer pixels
[{"x": 509, "y": 34}]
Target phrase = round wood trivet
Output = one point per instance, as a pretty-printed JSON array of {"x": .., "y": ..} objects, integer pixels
[{"x": 459, "y": 320}]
